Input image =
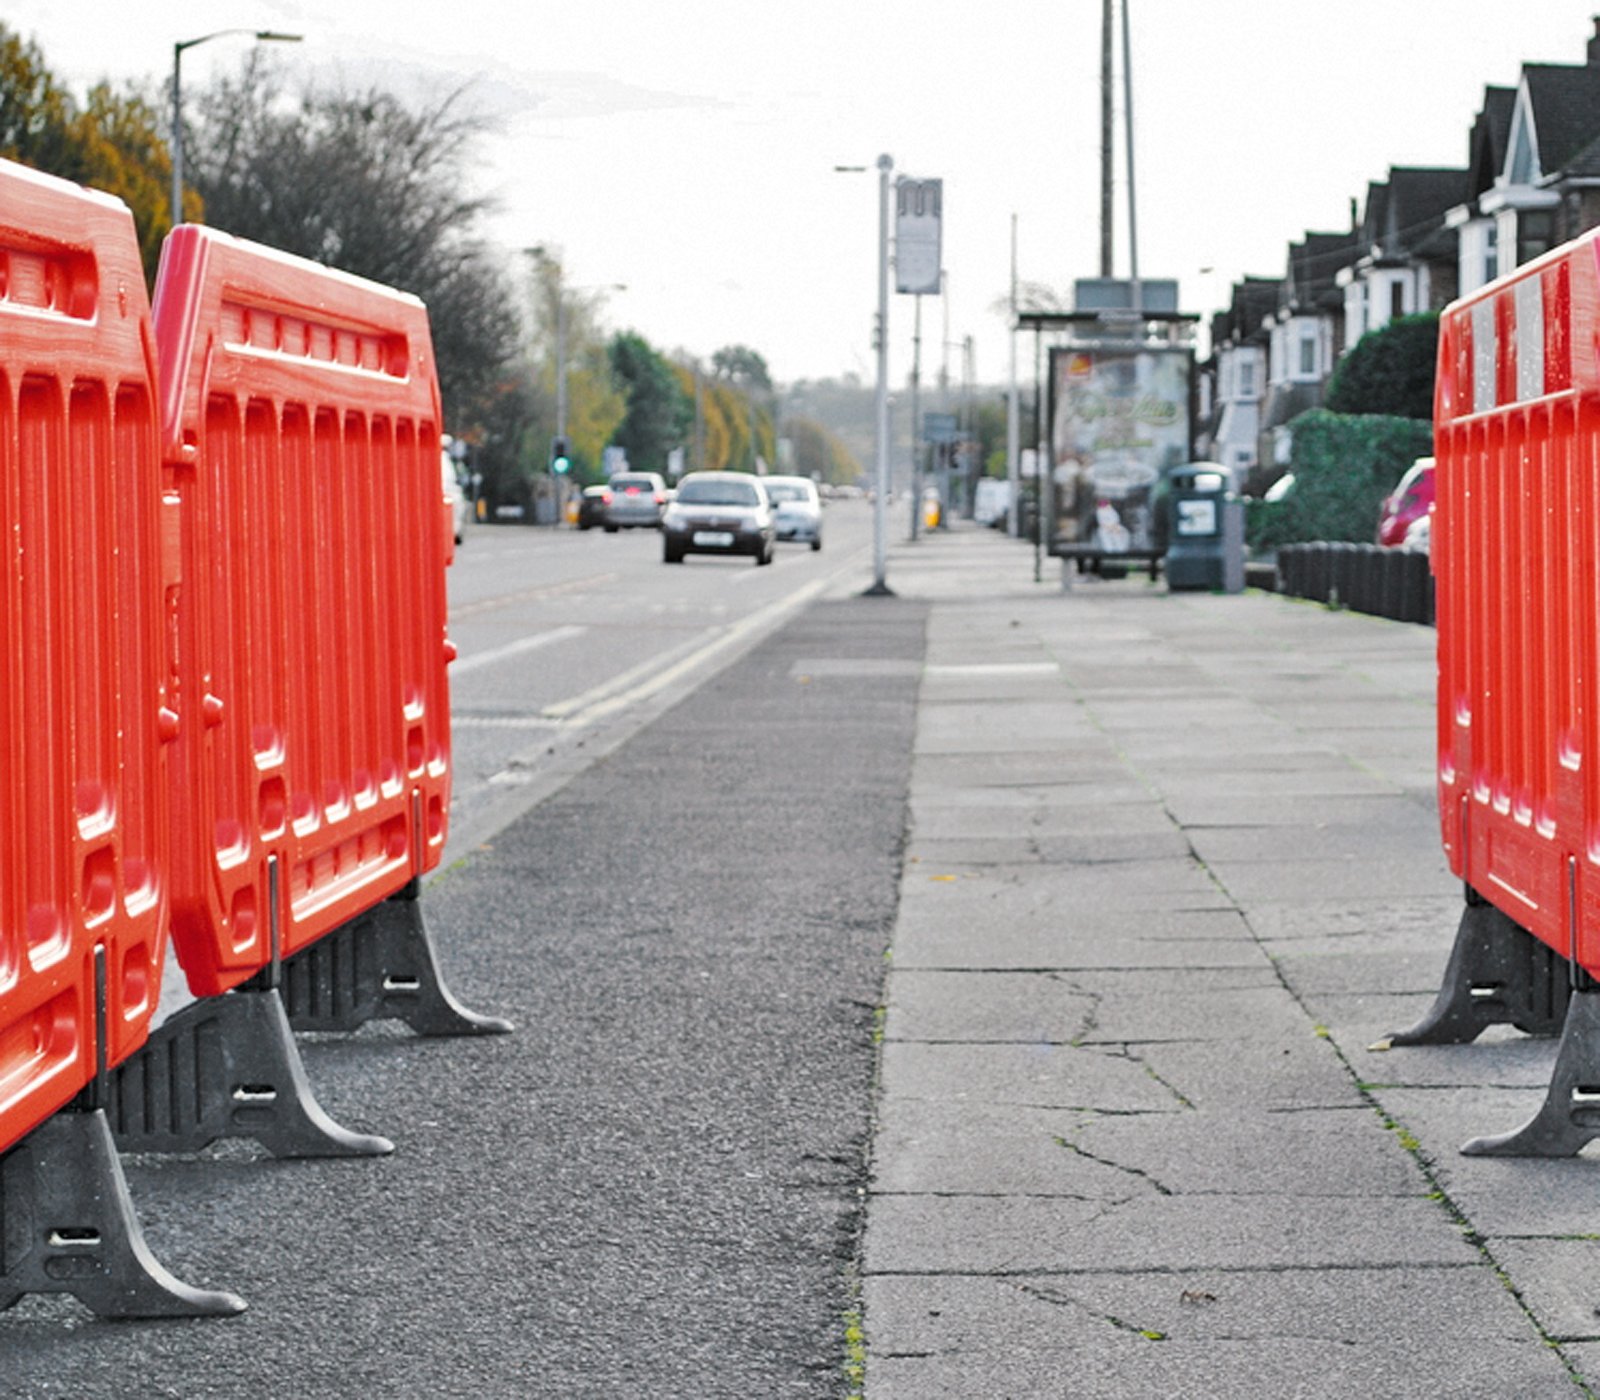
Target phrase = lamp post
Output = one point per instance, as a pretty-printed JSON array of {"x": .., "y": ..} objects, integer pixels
[
  {"x": 880, "y": 505},
  {"x": 261, "y": 35}
]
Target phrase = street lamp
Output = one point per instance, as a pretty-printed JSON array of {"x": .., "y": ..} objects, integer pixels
[{"x": 262, "y": 35}]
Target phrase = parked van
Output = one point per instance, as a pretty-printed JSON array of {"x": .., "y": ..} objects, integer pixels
[{"x": 991, "y": 500}]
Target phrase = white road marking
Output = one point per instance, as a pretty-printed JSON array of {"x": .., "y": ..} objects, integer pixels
[{"x": 539, "y": 639}]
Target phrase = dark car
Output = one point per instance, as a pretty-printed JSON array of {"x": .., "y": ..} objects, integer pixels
[
  {"x": 592, "y": 506},
  {"x": 718, "y": 513}
]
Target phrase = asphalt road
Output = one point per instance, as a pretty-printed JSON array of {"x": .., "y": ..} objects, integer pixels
[{"x": 653, "y": 1187}]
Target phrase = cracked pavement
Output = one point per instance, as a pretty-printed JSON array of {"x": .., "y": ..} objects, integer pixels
[{"x": 1173, "y": 867}]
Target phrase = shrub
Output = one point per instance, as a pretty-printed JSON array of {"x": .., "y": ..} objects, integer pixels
[
  {"x": 1389, "y": 370},
  {"x": 1344, "y": 465}
]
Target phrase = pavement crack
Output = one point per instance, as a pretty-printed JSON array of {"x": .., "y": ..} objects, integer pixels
[
  {"x": 1138, "y": 1172},
  {"x": 1044, "y": 1294},
  {"x": 1124, "y": 1051}
]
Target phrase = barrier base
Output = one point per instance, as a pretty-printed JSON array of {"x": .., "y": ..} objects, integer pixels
[
  {"x": 380, "y": 966},
  {"x": 70, "y": 1227},
  {"x": 226, "y": 1067},
  {"x": 1498, "y": 974},
  {"x": 1570, "y": 1115}
]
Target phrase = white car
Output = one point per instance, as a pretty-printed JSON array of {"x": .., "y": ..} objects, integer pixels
[
  {"x": 796, "y": 508},
  {"x": 460, "y": 506}
]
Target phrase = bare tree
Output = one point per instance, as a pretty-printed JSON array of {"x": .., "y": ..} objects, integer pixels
[{"x": 367, "y": 183}]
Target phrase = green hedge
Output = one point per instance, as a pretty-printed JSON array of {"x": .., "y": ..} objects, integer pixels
[{"x": 1343, "y": 465}]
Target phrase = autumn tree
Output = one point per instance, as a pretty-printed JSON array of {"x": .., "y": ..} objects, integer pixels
[{"x": 112, "y": 142}]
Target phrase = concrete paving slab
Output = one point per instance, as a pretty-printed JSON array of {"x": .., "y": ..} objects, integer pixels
[
  {"x": 1405, "y": 840},
  {"x": 1040, "y": 936},
  {"x": 1033, "y": 768},
  {"x": 1559, "y": 1281},
  {"x": 1315, "y": 917},
  {"x": 1244, "y": 1152},
  {"x": 1030, "y": 1076},
  {"x": 1212, "y": 808},
  {"x": 959, "y": 1315},
  {"x": 937, "y": 816},
  {"x": 1265, "y": 1074},
  {"x": 1035, "y": 847},
  {"x": 1229, "y": 1005},
  {"x": 1133, "y": 1367},
  {"x": 1059, "y": 892},
  {"x": 979, "y": 1149},
  {"x": 1253, "y": 882},
  {"x": 1022, "y": 1007},
  {"x": 1020, "y": 1235}
]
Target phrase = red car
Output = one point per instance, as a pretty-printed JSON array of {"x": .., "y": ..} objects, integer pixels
[{"x": 1411, "y": 501}]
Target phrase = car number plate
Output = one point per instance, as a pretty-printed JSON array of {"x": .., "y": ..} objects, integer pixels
[{"x": 713, "y": 537}]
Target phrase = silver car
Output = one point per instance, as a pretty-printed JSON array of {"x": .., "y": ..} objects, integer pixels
[
  {"x": 637, "y": 498},
  {"x": 796, "y": 508}
]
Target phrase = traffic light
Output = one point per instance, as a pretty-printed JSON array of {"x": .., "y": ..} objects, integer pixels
[{"x": 560, "y": 456}]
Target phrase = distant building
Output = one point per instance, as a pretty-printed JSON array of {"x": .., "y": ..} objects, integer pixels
[
  {"x": 1230, "y": 427},
  {"x": 1306, "y": 337},
  {"x": 1534, "y": 171},
  {"x": 1406, "y": 251}
]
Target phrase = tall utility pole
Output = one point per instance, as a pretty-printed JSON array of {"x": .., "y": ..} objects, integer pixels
[
  {"x": 916, "y": 415},
  {"x": 1106, "y": 120},
  {"x": 1127, "y": 126},
  {"x": 880, "y": 562},
  {"x": 1013, "y": 419}
]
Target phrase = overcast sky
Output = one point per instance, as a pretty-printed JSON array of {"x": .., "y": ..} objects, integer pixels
[{"x": 688, "y": 149}]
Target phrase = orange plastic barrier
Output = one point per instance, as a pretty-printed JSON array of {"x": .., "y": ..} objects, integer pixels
[
  {"x": 1516, "y": 551},
  {"x": 84, "y": 705},
  {"x": 300, "y": 421}
]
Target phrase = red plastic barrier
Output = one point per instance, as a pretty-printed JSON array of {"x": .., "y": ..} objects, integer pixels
[
  {"x": 1516, "y": 551},
  {"x": 300, "y": 419},
  {"x": 84, "y": 707}
]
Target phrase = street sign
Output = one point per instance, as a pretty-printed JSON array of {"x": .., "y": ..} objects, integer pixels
[
  {"x": 918, "y": 214},
  {"x": 940, "y": 427}
]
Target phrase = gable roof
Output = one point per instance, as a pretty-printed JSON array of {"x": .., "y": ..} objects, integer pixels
[
  {"x": 1313, "y": 264},
  {"x": 1566, "y": 111},
  {"x": 1491, "y": 134}
]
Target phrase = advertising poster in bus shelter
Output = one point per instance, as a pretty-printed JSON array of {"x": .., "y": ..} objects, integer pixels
[{"x": 1119, "y": 417}]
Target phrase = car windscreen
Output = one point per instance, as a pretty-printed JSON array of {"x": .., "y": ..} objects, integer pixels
[
  {"x": 718, "y": 493},
  {"x": 632, "y": 483},
  {"x": 781, "y": 492}
]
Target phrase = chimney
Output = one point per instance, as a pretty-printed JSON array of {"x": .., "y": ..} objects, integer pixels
[{"x": 1594, "y": 45}]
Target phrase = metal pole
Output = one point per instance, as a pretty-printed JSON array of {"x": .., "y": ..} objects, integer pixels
[
  {"x": 880, "y": 509},
  {"x": 1043, "y": 468},
  {"x": 1013, "y": 413},
  {"x": 916, "y": 415},
  {"x": 561, "y": 391},
  {"x": 177, "y": 137},
  {"x": 1127, "y": 126},
  {"x": 1106, "y": 119},
  {"x": 973, "y": 466},
  {"x": 262, "y": 36}
]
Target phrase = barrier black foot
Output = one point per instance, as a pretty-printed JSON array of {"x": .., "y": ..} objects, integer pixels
[
  {"x": 225, "y": 1067},
  {"x": 1498, "y": 974},
  {"x": 380, "y": 966},
  {"x": 1570, "y": 1115},
  {"x": 70, "y": 1227}
]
